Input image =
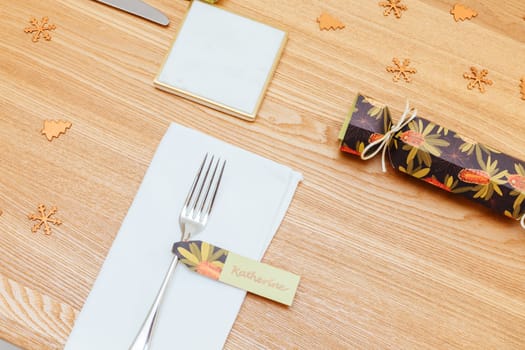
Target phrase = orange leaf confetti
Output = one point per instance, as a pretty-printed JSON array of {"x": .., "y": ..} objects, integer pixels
[
  {"x": 477, "y": 79},
  {"x": 54, "y": 128},
  {"x": 40, "y": 29},
  {"x": 393, "y": 6},
  {"x": 401, "y": 70},
  {"x": 461, "y": 12},
  {"x": 327, "y": 22},
  {"x": 522, "y": 85},
  {"x": 44, "y": 219}
]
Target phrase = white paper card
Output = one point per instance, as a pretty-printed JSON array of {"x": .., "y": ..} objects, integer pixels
[
  {"x": 197, "y": 312},
  {"x": 222, "y": 58}
]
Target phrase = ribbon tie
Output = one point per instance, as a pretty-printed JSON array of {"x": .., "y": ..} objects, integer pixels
[{"x": 383, "y": 142}]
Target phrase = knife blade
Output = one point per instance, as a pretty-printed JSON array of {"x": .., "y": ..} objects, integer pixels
[{"x": 138, "y": 8}]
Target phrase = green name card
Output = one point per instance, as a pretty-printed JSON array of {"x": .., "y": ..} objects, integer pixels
[{"x": 238, "y": 271}]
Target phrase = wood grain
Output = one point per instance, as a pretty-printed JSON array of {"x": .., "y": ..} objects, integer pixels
[
  {"x": 387, "y": 262},
  {"x": 48, "y": 321}
]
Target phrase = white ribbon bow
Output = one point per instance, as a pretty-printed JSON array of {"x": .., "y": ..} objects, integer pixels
[
  {"x": 382, "y": 143},
  {"x": 522, "y": 221}
]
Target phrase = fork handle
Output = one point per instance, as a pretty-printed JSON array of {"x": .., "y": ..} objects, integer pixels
[{"x": 143, "y": 339}]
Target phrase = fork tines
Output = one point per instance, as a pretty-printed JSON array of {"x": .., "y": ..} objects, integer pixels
[{"x": 201, "y": 197}]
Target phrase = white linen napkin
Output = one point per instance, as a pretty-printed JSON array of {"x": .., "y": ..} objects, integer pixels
[{"x": 197, "y": 312}]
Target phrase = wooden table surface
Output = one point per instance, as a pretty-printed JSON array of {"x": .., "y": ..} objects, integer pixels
[{"x": 387, "y": 262}]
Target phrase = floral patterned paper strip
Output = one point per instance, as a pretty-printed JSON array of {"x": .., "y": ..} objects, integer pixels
[
  {"x": 440, "y": 157},
  {"x": 235, "y": 270}
]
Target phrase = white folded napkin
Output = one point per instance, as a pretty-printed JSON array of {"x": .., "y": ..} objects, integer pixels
[{"x": 197, "y": 312}]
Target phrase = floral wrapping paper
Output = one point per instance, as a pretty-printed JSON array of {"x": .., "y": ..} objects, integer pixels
[
  {"x": 201, "y": 257},
  {"x": 440, "y": 157}
]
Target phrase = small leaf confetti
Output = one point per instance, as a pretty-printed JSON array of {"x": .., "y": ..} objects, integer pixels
[
  {"x": 477, "y": 79},
  {"x": 327, "y": 22},
  {"x": 54, "y": 128},
  {"x": 461, "y": 12},
  {"x": 522, "y": 85},
  {"x": 40, "y": 29},
  {"x": 44, "y": 219},
  {"x": 393, "y": 6},
  {"x": 401, "y": 70}
]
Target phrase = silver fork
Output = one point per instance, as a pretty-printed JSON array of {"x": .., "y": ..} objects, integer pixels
[{"x": 192, "y": 220}]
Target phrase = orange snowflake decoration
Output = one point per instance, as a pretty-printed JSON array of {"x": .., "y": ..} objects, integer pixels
[
  {"x": 477, "y": 79},
  {"x": 394, "y": 6},
  {"x": 401, "y": 70},
  {"x": 44, "y": 219},
  {"x": 40, "y": 29}
]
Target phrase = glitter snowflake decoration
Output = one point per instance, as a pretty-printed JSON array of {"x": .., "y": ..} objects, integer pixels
[
  {"x": 401, "y": 70},
  {"x": 44, "y": 219},
  {"x": 393, "y": 6},
  {"x": 477, "y": 79},
  {"x": 40, "y": 29}
]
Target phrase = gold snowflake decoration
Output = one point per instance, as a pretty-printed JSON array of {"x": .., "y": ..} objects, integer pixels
[
  {"x": 44, "y": 219},
  {"x": 401, "y": 70},
  {"x": 40, "y": 29},
  {"x": 477, "y": 79},
  {"x": 393, "y": 6}
]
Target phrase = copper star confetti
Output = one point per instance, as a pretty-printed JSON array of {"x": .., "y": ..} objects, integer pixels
[
  {"x": 394, "y": 6},
  {"x": 477, "y": 79},
  {"x": 401, "y": 70},
  {"x": 40, "y": 29},
  {"x": 44, "y": 219}
]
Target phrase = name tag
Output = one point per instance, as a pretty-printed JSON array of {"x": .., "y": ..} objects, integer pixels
[{"x": 238, "y": 271}]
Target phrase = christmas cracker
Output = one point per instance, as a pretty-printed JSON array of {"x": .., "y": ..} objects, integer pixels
[{"x": 436, "y": 155}]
